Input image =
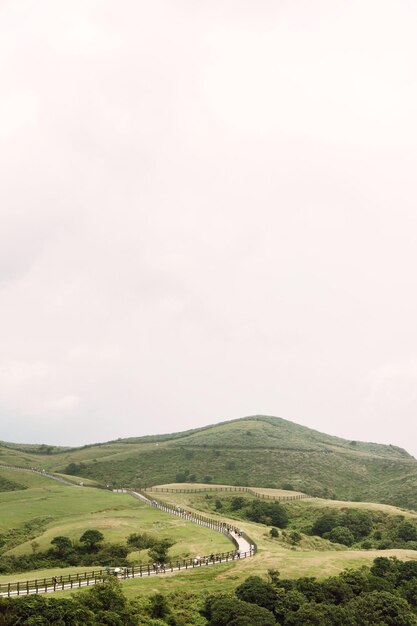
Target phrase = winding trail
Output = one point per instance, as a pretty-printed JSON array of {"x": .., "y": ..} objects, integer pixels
[
  {"x": 244, "y": 548},
  {"x": 241, "y": 542}
]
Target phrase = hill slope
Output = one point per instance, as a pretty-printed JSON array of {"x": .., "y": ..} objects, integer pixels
[{"x": 258, "y": 451}]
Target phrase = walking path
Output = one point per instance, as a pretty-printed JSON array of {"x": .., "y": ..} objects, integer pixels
[
  {"x": 42, "y": 473},
  {"x": 242, "y": 544},
  {"x": 244, "y": 549}
]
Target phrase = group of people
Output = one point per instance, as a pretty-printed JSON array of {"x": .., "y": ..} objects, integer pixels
[{"x": 234, "y": 530}]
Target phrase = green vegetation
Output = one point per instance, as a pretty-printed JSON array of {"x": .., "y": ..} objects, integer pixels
[
  {"x": 375, "y": 528},
  {"x": 88, "y": 551},
  {"x": 10, "y": 485},
  {"x": 47, "y": 526},
  {"x": 384, "y": 594},
  {"x": 257, "y": 451},
  {"x": 32, "y": 518}
]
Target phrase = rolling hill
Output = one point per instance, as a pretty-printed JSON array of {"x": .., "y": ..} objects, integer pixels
[{"x": 253, "y": 451}]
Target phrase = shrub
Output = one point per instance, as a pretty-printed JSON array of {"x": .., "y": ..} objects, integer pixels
[
  {"x": 325, "y": 523},
  {"x": 237, "y": 502},
  {"x": 257, "y": 591},
  {"x": 406, "y": 531},
  {"x": 295, "y": 537},
  {"x": 341, "y": 534},
  {"x": 270, "y": 513}
]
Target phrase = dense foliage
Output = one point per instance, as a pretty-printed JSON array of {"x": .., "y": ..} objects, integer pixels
[
  {"x": 383, "y": 595},
  {"x": 366, "y": 530},
  {"x": 10, "y": 485},
  {"x": 89, "y": 551},
  {"x": 349, "y": 526}
]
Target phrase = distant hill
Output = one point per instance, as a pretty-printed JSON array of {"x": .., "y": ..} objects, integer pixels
[{"x": 254, "y": 451}]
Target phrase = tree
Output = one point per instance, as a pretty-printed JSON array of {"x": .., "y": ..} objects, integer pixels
[
  {"x": 140, "y": 541},
  {"x": 91, "y": 538},
  {"x": 406, "y": 531},
  {"x": 62, "y": 545},
  {"x": 159, "y": 551},
  {"x": 237, "y": 502},
  {"x": 325, "y": 523},
  {"x": 270, "y": 513},
  {"x": 288, "y": 601},
  {"x": 321, "y": 615},
  {"x": 385, "y": 567},
  {"x": 382, "y": 608},
  {"x": 159, "y": 606},
  {"x": 407, "y": 570},
  {"x": 35, "y": 546},
  {"x": 228, "y": 611},
  {"x": 257, "y": 591},
  {"x": 295, "y": 537},
  {"x": 341, "y": 534},
  {"x": 358, "y": 522},
  {"x": 108, "y": 603},
  {"x": 274, "y": 533}
]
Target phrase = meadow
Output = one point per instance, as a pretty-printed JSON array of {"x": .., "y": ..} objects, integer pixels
[
  {"x": 41, "y": 508},
  {"x": 46, "y": 509}
]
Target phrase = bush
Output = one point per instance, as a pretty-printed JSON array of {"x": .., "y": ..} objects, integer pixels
[
  {"x": 257, "y": 591},
  {"x": 358, "y": 522},
  {"x": 295, "y": 537},
  {"x": 237, "y": 502},
  {"x": 325, "y": 523},
  {"x": 406, "y": 531},
  {"x": 341, "y": 534},
  {"x": 269, "y": 513}
]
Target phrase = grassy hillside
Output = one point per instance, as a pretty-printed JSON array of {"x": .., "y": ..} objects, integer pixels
[
  {"x": 43, "y": 509},
  {"x": 312, "y": 556},
  {"x": 257, "y": 451},
  {"x": 46, "y": 509}
]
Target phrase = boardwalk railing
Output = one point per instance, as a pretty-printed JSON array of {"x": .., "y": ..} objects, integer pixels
[{"x": 85, "y": 579}]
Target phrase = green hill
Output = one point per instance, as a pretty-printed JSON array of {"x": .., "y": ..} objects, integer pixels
[{"x": 254, "y": 451}]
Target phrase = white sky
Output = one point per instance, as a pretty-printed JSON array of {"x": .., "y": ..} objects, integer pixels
[{"x": 208, "y": 210}]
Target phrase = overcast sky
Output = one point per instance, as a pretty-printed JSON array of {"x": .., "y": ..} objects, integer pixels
[{"x": 208, "y": 210}]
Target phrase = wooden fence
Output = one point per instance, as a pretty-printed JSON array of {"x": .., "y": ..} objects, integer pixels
[
  {"x": 253, "y": 492},
  {"x": 85, "y": 579},
  {"x": 214, "y": 524}
]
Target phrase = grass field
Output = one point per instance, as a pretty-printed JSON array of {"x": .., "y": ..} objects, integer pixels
[{"x": 57, "y": 509}]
